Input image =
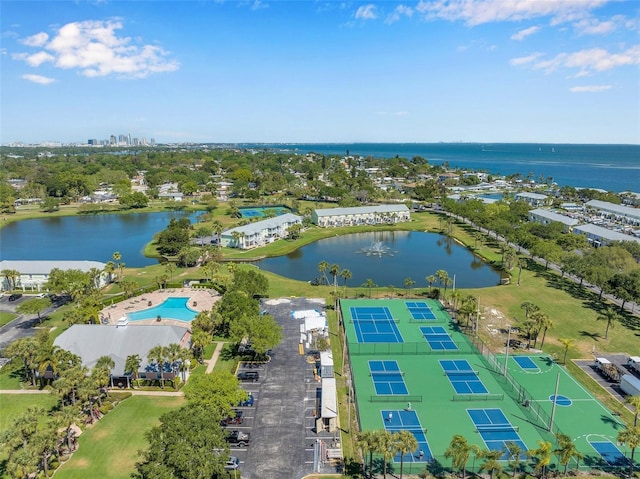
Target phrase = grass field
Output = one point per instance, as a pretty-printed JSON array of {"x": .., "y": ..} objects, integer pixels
[{"x": 110, "y": 448}]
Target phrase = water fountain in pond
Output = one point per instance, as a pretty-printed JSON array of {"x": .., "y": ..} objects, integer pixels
[{"x": 377, "y": 248}]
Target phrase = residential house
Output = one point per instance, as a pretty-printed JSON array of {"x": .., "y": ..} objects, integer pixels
[
  {"x": 34, "y": 274},
  {"x": 534, "y": 199},
  {"x": 545, "y": 217},
  {"x": 259, "y": 233},
  {"x": 361, "y": 215}
]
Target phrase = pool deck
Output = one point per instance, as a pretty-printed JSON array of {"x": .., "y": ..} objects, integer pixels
[{"x": 199, "y": 300}]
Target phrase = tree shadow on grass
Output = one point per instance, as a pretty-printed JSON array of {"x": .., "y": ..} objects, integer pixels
[{"x": 589, "y": 334}]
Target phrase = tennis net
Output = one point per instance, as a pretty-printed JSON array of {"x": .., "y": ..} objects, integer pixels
[
  {"x": 468, "y": 372},
  {"x": 382, "y": 374},
  {"x": 374, "y": 321},
  {"x": 496, "y": 428}
]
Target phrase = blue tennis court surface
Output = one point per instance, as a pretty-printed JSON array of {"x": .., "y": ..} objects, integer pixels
[
  {"x": 462, "y": 376},
  {"x": 387, "y": 377},
  {"x": 420, "y": 310},
  {"x": 526, "y": 363},
  {"x": 403, "y": 420},
  {"x": 610, "y": 453},
  {"x": 438, "y": 338},
  {"x": 375, "y": 325},
  {"x": 495, "y": 429}
]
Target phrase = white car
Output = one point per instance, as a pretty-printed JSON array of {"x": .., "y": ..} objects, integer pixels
[
  {"x": 232, "y": 464},
  {"x": 41, "y": 295}
]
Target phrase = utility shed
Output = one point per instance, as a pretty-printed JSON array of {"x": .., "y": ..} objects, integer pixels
[
  {"x": 326, "y": 364},
  {"x": 328, "y": 419}
]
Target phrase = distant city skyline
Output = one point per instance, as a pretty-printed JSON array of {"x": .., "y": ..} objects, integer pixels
[{"x": 258, "y": 71}]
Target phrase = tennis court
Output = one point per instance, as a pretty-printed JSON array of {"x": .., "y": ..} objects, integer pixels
[
  {"x": 420, "y": 311},
  {"x": 610, "y": 453},
  {"x": 387, "y": 378},
  {"x": 375, "y": 325},
  {"x": 462, "y": 377},
  {"x": 438, "y": 338},
  {"x": 526, "y": 363},
  {"x": 495, "y": 429},
  {"x": 443, "y": 384},
  {"x": 403, "y": 420}
]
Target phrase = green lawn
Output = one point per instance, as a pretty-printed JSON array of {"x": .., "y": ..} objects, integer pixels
[
  {"x": 12, "y": 405},
  {"x": 6, "y": 317},
  {"x": 110, "y": 448}
]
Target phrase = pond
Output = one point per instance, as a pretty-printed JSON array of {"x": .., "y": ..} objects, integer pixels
[
  {"x": 387, "y": 258},
  {"x": 84, "y": 237}
]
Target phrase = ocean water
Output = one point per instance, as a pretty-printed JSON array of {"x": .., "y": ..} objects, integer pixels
[{"x": 609, "y": 167}]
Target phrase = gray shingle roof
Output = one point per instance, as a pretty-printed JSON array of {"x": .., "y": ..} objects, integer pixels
[
  {"x": 45, "y": 266},
  {"x": 90, "y": 341}
]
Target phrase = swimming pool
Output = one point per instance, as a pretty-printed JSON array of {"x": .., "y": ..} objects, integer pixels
[{"x": 170, "y": 308}]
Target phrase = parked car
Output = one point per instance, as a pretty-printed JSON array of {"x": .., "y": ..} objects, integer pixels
[
  {"x": 247, "y": 402},
  {"x": 238, "y": 438},
  {"x": 15, "y": 296},
  {"x": 232, "y": 463},
  {"x": 235, "y": 418},
  {"x": 249, "y": 376}
]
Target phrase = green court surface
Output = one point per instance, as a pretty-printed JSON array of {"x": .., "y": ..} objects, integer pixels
[{"x": 409, "y": 372}]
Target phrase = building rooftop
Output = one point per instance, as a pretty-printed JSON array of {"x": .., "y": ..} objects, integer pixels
[{"x": 361, "y": 210}]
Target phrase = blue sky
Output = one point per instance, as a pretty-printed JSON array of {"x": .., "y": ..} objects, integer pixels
[{"x": 564, "y": 71}]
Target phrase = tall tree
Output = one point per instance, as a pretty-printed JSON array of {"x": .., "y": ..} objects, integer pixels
[
  {"x": 345, "y": 274},
  {"x": 367, "y": 441},
  {"x": 630, "y": 436},
  {"x": 459, "y": 451},
  {"x": 405, "y": 442},
  {"x": 565, "y": 451},
  {"x": 566, "y": 345},
  {"x": 610, "y": 316},
  {"x": 541, "y": 457},
  {"x": 385, "y": 447},
  {"x": 186, "y": 444}
]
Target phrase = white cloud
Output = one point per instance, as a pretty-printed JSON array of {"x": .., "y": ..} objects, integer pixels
[
  {"x": 399, "y": 12},
  {"x": 42, "y": 80},
  {"x": 258, "y": 5},
  {"x": 367, "y": 12},
  {"x": 95, "y": 49},
  {"x": 522, "y": 34},
  {"x": 37, "y": 40},
  {"x": 525, "y": 60},
  {"x": 38, "y": 58},
  {"x": 590, "y": 60},
  {"x": 590, "y": 88},
  {"x": 476, "y": 12}
]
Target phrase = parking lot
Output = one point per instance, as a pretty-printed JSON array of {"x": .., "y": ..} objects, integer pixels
[
  {"x": 587, "y": 365},
  {"x": 281, "y": 420}
]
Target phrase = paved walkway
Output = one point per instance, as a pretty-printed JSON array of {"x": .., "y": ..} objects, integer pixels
[{"x": 214, "y": 358}]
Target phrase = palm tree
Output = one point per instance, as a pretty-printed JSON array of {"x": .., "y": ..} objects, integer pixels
[
  {"x": 610, "y": 316},
  {"x": 217, "y": 228},
  {"x": 492, "y": 461},
  {"x": 170, "y": 268},
  {"x": 367, "y": 441},
  {"x": 459, "y": 451},
  {"x": 442, "y": 276},
  {"x": 323, "y": 266},
  {"x": 132, "y": 366},
  {"x": 630, "y": 437},
  {"x": 540, "y": 319},
  {"x": 12, "y": 276},
  {"x": 102, "y": 370},
  {"x": 66, "y": 416},
  {"x": 635, "y": 402},
  {"x": 116, "y": 259},
  {"x": 542, "y": 457},
  {"x": 514, "y": 452},
  {"x": 565, "y": 451},
  {"x": 405, "y": 442},
  {"x": 384, "y": 446},
  {"x": 158, "y": 355},
  {"x": 529, "y": 308},
  {"x": 369, "y": 284},
  {"x": 408, "y": 283},
  {"x": 566, "y": 344},
  {"x": 345, "y": 274},
  {"x": 334, "y": 271},
  {"x": 545, "y": 323},
  {"x": 430, "y": 280}
]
